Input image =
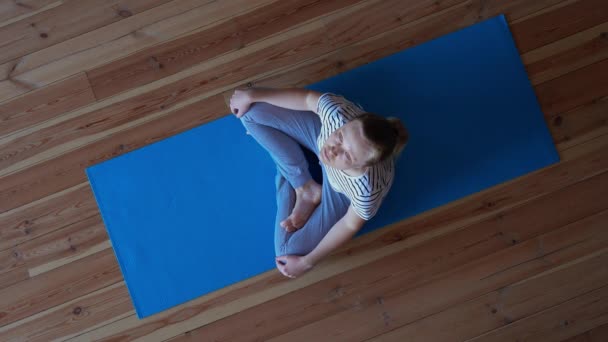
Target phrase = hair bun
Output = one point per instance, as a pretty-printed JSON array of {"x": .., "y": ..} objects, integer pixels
[{"x": 401, "y": 134}]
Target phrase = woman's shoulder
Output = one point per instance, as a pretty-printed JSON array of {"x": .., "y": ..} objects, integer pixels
[
  {"x": 331, "y": 104},
  {"x": 380, "y": 175}
]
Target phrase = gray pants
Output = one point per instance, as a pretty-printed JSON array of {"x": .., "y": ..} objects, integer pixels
[{"x": 282, "y": 132}]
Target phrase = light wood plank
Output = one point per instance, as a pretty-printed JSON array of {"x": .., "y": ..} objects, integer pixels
[
  {"x": 45, "y": 103},
  {"x": 64, "y": 319},
  {"x": 11, "y": 10},
  {"x": 506, "y": 305},
  {"x": 567, "y": 55},
  {"x": 73, "y": 241},
  {"x": 113, "y": 41},
  {"x": 58, "y": 286},
  {"x": 63, "y": 22},
  {"x": 47, "y": 215}
]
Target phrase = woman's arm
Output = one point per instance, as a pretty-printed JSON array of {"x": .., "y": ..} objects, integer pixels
[
  {"x": 340, "y": 233},
  {"x": 294, "y": 98},
  {"x": 293, "y": 265}
]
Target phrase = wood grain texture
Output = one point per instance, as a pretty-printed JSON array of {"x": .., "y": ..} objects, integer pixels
[
  {"x": 166, "y": 59},
  {"x": 11, "y": 10},
  {"x": 63, "y": 22},
  {"x": 45, "y": 103},
  {"x": 597, "y": 334},
  {"x": 113, "y": 41},
  {"x": 501, "y": 308},
  {"x": 524, "y": 260},
  {"x": 551, "y": 26}
]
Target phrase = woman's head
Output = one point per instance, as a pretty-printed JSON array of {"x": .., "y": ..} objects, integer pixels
[
  {"x": 388, "y": 136},
  {"x": 364, "y": 141}
]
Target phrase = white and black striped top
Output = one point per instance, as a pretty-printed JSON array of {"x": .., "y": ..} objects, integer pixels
[{"x": 367, "y": 191}]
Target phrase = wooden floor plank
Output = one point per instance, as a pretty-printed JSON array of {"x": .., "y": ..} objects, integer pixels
[
  {"x": 47, "y": 215},
  {"x": 574, "y": 89},
  {"x": 571, "y": 318},
  {"x": 166, "y": 59},
  {"x": 71, "y": 316},
  {"x": 45, "y": 103},
  {"x": 506, "y": 305},
  {"x": 63, "y": 22},
  {"x": 549, "y": 27},
  {"x": 58, "y": 286},
  {"x": 580, "y": 124},
  {"x": 172, "y": 10},
  {"x": 67, "y": 242},
  {"x": 114, "y": 41},
  {"x": 11, "y": 11},
  {"x": 567, "y": 55},
  {"x": 598, "y": 334}
]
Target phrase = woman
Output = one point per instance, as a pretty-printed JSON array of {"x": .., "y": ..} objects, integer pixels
[{"x": 356, "y": 150}]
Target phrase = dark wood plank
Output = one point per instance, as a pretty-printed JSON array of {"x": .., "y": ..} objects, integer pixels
[
  {"x": 562, "y": 321},
  {"x": 68, "y": 20},
  {"x": 506, "y": 305},
  {"x": 166, "y": 59},
  {"x": 580, "y": 124},
  {"x": 598, "y": 334},
  {"x": 10, "y": 9},
  {"x": 378, "y": 18},
  {"x": 562, "y": 22},
  {"x": 45, "y": 103},
  {"x": 67, "y": 242},
  {"x": 586, "y": 48},
  {"x": 48, "y": 215},
  {"x": 58, "y": 286},
  {"x": 71, "y": 317},
  {"x": 574, "y": 89}
]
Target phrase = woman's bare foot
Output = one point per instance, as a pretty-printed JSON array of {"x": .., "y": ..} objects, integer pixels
[{"x": 308, "y": 198}]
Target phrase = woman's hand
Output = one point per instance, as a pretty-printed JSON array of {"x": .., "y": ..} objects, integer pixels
[
  {"x": 240, "y": 102},
  {"x": 292, "y": 265}
]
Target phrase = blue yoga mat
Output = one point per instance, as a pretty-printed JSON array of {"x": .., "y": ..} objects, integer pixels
[{"x": 195, "y": 212}]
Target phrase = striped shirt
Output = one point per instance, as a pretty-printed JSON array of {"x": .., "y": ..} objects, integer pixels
[{"x": 366, "y": 191}]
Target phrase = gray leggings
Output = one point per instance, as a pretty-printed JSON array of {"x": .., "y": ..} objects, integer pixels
[{"x": 281, "y": 132}]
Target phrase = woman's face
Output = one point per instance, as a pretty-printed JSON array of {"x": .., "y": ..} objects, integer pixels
[{"x": 347, "y": 148}]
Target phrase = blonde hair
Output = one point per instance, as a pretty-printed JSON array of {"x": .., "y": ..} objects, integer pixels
[{"x": 388, "y": 135}]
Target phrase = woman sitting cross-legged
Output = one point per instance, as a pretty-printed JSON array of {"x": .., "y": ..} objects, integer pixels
[{"x": 357, "y": 152}]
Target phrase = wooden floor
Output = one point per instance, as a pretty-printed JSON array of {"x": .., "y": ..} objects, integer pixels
[{"x": 84, "y": 81}]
